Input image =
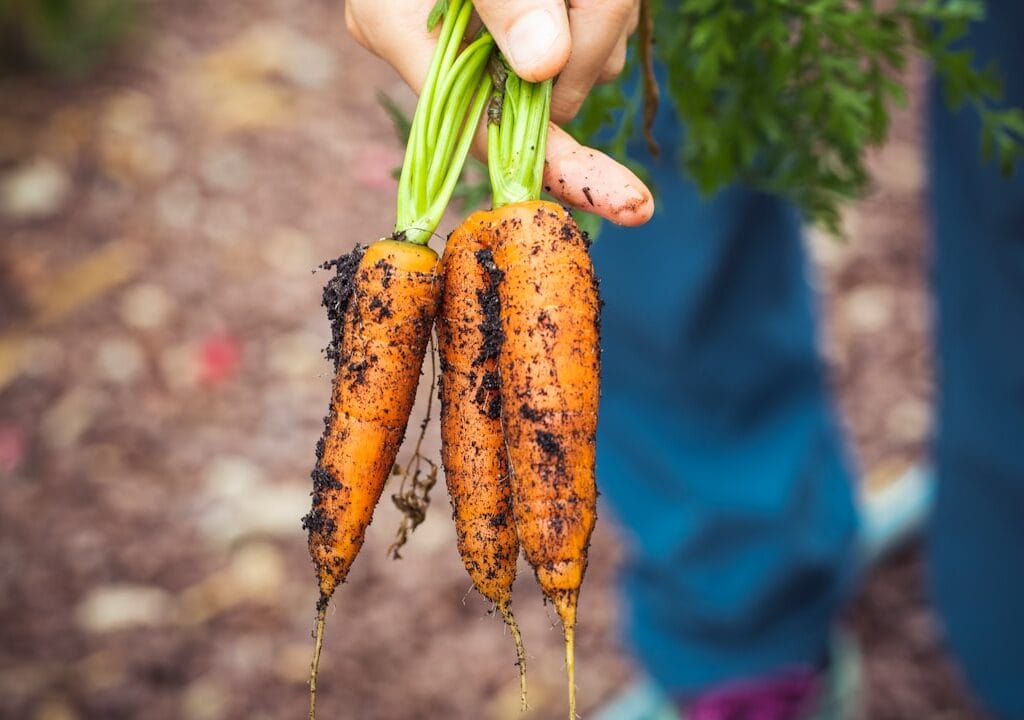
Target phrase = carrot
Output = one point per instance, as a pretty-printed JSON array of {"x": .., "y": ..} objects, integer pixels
[
  {"x": 385, "y": 327},
  {"x": 382, "y": 304},
  {"x": 549, "y": 367},
  {"x": 472, "y": 443},
  {"x": 548, "y": 362}
]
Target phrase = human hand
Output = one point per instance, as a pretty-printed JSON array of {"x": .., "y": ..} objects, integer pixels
[{"x": 585, "y": 43}]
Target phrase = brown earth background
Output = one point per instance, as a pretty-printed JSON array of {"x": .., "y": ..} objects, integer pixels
[{"x": 162, "y": 387}]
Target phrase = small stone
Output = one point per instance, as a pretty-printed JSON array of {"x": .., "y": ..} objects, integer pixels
[
  {"x": 205, "y": 699},
  {"x": 34, "y": 191},
  {"x": 237, "y": 501},
  {"x": 257, "y": 570},
  {"x": 113, "y": 608},
  {"x": 231, "y": 475},
  {"x": 226, "y": 169},
  {"x": 289, "y": 252},
  {"x": 178, "y": 205},
  {"x": 146, "y": 306},
  {"x": 870, "y": 308},
  {"x": 119, "y": 360}
]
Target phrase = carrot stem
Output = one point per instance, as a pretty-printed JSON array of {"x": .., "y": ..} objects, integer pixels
[
  {"x": 465, "y": 81},
  {"x": 447, "y": 109},
  {"x": 418, "y": 228},
  {"x": 517, "y": 140}
]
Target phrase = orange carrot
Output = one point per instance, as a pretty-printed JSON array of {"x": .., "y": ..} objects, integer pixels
[
  {"x": 549, "y": 369},
  {"x": 383, "y": 338},
  {"x": 383, "y": 305},
  {"x": 548, "y": 363},
  {"x": 472, "y": 445}
]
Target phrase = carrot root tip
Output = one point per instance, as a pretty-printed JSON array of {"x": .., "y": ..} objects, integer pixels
[
  {"x": 321, "y": 617},
  {"x": 510, "y": 621},
  {"x": 570, "y": 668}
]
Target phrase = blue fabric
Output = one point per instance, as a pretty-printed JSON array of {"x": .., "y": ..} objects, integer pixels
[
  {"x": 716, "y": 445},
  {"x": 977, "y": 533}
]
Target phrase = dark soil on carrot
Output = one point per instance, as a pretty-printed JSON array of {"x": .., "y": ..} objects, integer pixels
[
  {"x": 336, "y": 294},
  {"x": 162, "y": 382}
]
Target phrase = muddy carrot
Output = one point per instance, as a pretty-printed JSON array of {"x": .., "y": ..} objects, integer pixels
[
  {"x": 382, "y": 303},
  {"x": 472, "y": 442},
  {"x": 548, "y": 362}
]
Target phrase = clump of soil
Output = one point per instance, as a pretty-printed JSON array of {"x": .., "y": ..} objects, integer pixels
[{"x": 337, "y": 292}]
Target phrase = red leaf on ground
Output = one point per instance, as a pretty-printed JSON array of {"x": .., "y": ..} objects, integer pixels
[{"x": 220, "y": 357}]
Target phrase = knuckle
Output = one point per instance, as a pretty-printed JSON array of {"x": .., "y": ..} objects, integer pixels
[
  {"x": 614, "y": 65},
  {"x": 565, "y": 105},
  {"x": 350, "y": 21},
  {"x": 612, "y": 69},
  {"x": 621, "y": 10}
]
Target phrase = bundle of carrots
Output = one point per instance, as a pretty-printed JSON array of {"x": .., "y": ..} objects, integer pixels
[{"x": 516, "y": 307}]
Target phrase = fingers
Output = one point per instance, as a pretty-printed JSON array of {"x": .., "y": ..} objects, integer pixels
[
  {"x": 576, "y": 175},
  {"x": 590, "y": 180},
  {"x": 397, "y": 33},
  {"x": 598, "y": 29},
  {"x": 532, "y": 34},
  {"x": 615, "y": 63}
]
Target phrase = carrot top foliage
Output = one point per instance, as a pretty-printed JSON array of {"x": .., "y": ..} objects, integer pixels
[
  {"x": 517, "y": 130},
  {"x": 454, "y": 93},
  {"x": 788, "y": 94}
]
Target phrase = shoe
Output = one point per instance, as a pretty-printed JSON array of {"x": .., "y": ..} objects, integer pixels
[{"x": 893, "y": 510}]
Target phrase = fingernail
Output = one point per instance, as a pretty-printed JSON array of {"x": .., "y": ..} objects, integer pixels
[{"x": 530, "y": 39}]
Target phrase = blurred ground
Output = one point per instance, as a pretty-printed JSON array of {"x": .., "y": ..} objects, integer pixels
[{"x": 162, "y": 386}]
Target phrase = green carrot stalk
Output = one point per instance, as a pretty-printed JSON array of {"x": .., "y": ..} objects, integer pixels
[
  {"x": 517, "y": 132},
  {"x": 456, "y": 89}
]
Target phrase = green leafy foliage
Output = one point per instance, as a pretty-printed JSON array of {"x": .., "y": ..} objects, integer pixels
[
  {"x": 787, "y": 95},
  {"x": 66, "y": 37}
]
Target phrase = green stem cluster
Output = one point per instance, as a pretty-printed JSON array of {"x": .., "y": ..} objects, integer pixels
[
  {"x": 517, "y": 132},
  {"x": 454, "y": 94}
]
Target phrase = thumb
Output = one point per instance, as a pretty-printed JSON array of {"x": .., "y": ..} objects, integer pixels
[{"x": 532, "y": 34}]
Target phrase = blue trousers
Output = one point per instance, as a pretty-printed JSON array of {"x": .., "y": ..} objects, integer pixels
[{"x": 718, "y": 448}]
